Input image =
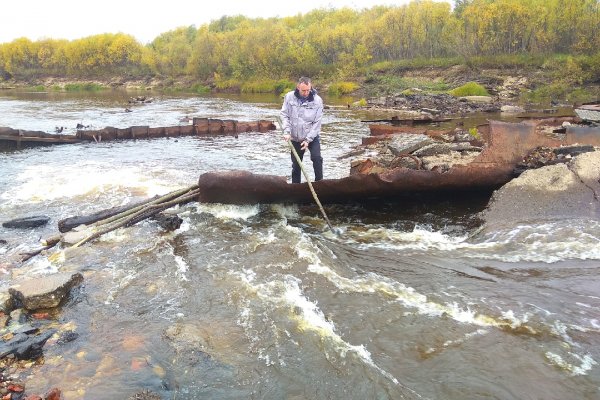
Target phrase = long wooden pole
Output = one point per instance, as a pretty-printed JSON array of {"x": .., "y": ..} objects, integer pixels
[{"x": 312, "y": 190}]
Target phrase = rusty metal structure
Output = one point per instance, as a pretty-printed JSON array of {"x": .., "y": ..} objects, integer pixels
[
  {"x": 17, "y": 138},
  {"x": 505, "y": 144}
]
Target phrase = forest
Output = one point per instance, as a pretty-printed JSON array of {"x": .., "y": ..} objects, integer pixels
[{"x": 331, "y": 44}]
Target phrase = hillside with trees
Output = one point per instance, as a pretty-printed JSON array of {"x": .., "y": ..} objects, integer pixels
[{"x": 559, "y": 37}]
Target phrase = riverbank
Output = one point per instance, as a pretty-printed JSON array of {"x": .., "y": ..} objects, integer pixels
[{"x": 507, "y": 84}]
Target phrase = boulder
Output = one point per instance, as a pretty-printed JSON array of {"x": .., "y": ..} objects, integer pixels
[
  {"x": 478, "y": 99},
  {"x": 25, "y": 346},
  {"x": 27, "y": 222},
  {"x": 511, "y": 109},
  {"x": 406, "y": 143},
  {"x": 556, "y": 191},
  {"x": 44, "y": 292}
]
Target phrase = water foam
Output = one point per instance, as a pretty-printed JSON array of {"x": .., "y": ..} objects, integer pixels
[
  {"x": 586, "y": 363},
  {"x": 230, "y": 211},
  {"x": 45, "y": 183},
  {"x": 547, "y": 242},
  {"x": 287, "y": 294}
]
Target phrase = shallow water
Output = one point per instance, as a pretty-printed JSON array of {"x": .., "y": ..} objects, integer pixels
[{"x": 262, "y": 302}]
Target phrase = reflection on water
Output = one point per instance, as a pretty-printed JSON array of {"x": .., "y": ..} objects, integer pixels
[{"x": 262, "y": 301}]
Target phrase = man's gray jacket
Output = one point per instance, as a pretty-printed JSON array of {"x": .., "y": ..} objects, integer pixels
[{"x": 302, "y": 118}]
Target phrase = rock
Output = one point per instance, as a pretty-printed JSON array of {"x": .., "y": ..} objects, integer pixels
[
  {"x": 433, "y": 150},
  {"x": 169, "y": 222},
  {"x": 573, "y": 150},
  {"x": 145, "y": 395},
  {"x": 17, "y": 316},
  {"x": 67, "y": 336},
  {"x": 556, "y": 191},
  {"x": 74, "y": 236},
  {"x": 44, "y": 292},
  {"x": 27, "y": 222},
  {"x": 478, "y": 99},
  {"x": 24, "y": 346},
  {"x": 53, "y": 394},
  {"x": 511, "y": 109},
  {"x": 405, "y": 143}
]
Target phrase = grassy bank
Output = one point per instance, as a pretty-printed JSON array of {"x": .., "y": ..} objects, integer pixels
[{"x": 558, "y": 77}]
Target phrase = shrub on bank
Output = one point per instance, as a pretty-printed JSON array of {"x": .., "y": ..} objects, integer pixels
[
  {"x": 342, "y": 88},
  {"x": 469, "y": 89},
  {"x": 79, "y": 87}
]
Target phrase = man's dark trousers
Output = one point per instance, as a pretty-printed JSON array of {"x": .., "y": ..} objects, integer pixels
[{"x": 315, "y": 155}]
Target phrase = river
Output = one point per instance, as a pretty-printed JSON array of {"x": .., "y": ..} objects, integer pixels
[{"x": 261, "y": 302}]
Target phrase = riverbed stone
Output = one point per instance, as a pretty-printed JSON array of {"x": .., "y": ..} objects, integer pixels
[
  {"x": 478, "y": 99},
  {"x": 44, "y": 292},
  {"x": 406, "y": 143},
  {"x": 433, "y": 149},
  {"x": 27, "y": 222},
  {"x": 556, "y": 191}
]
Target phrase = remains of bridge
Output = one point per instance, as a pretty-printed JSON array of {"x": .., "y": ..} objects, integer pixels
[{"x": 17, "y": 138}]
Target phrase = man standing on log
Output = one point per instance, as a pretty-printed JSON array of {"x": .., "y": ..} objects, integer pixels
[{"x": 301, "y": 115}]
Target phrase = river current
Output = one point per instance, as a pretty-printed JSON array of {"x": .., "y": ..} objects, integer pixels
[{"x": 261, "y": 301}]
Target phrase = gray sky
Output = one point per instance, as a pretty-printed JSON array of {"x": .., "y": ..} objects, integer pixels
[{"x": 74, "y": 19}]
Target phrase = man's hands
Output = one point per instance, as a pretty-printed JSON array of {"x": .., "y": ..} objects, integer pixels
[{"x": 303, "y": 145}]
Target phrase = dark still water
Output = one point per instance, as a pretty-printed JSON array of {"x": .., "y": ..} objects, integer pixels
[{"x": 261, "y": 302}]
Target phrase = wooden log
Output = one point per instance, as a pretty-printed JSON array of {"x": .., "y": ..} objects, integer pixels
[{"x": 67, "y": 224}]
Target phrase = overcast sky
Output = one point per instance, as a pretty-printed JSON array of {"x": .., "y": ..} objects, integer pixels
[{"x": 144, "y": 19}]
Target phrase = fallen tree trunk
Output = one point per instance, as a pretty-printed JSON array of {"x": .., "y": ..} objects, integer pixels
[
  {"x": 67, "y": 224},
  {"x": 108, "y": 220},
  {"x": 129, "y": 218}
]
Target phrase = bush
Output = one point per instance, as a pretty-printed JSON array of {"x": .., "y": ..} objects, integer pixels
[
  {"x": 78, "y": 87},
  {"x": 200, "y": 88},
  {"x": 341, "y": 88},
  {"x": 469, "y": 89},
  {"x": 284, "y": 86}
]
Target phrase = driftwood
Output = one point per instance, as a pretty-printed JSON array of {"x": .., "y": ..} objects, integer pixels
[
  {"x": 67, "y": 224},
  {"x": 109, "y": 220},
  {"x": 131, "y": 217}
]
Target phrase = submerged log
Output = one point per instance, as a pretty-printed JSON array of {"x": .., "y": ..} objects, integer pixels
[
  {"x": 67, "y": 224},
  {"x": 27, "y": 222}
]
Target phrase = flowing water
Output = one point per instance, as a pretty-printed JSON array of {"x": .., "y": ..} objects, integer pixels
[{"x": 261, "y": 302}]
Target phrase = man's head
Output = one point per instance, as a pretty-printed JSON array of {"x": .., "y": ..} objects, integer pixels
[{"x": 304, "y": 86}]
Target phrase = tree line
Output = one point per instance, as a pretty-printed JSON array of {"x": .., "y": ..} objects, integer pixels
[{"x": 322, "y": 42}]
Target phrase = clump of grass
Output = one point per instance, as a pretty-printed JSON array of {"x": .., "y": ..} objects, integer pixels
[
  {"x": 267, "y": 86},
  {"x": 200, "y": 88},
  {"x": 38, "y": 88},
  {"x": 561, "y": 91},
  {"x": 362, "y": 102},
  {"x": 228, "y": 84},
  {"x": 284, "y": 86},
  {"x": 342, "y": 88},
  {"x": 469, "y": 89},
  {"x": 80, "y": 87},
  {"x": 475, "y": 133}
]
